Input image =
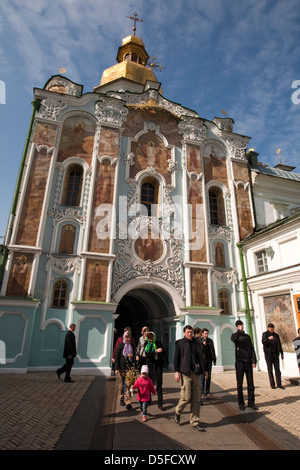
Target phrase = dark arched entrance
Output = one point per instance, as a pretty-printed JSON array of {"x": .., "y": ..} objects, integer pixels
[{"x": 144, "y": 307}]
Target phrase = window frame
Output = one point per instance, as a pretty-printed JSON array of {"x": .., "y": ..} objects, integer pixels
[
  {"x": 224, "y": 302},
  {"x": 73, "y": 201},
  {"x": 65, "y": 298},
  {"x": 261, "y": 262},
  {"x": 156, "y": 195},
  {"x": 216, "y": 205}
]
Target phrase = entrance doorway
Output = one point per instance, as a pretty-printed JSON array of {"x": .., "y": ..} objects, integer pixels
[{"x": 145, "y": 306}]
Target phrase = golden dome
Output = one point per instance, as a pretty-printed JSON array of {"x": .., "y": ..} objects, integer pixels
[{"x": 132, "y": 58}]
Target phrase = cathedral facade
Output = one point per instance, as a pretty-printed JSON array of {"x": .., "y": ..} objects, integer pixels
[{"x": 132, "y": 210}]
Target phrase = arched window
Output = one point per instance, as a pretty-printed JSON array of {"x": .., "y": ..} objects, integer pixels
[
  {"x": 73, "y": 185},
  {"x": 60, "y": 294},
  {"x": 67, "y": 239},
  {"x": 149, "y": 195},
  {"x": 224, "y": 302},
  {"x": 216, "y": 207}
]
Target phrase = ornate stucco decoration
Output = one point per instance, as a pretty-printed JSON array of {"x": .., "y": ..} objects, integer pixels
[
  {"x": 224, "y": 124},
  {"x": 63, "y": 85},
  {"x": 63, "y": 265},
  {"x": 111, "y": 111},
  {"x": 128, "y": 266},
  {"x": 152, "y": 98},
  {"x": 68, "y": 213},
  {"x": 50, "y": 108},
  {"x": 77, "y": 214},
  {"x": 237, "y": 149},
  {"x": 172, "y": 166},
  {"x": 192, "y": 129},
  {"x": 225, "y": 277},
  {"x": 129, "y": 159},
  {"x": 223, "y": 232}
]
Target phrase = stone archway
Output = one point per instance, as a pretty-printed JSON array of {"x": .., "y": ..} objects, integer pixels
[{"x": 145, "y": 303}]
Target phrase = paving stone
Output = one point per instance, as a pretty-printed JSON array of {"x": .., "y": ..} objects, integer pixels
[{"x": 39, "y": 412}]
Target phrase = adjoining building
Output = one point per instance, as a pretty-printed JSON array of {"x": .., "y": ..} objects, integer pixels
[
  {"x": 272, "y": 258},
  {"x": 133, "y": 210}
]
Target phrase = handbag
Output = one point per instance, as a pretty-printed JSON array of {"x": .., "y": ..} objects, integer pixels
[{"x": 197, "y": 369}]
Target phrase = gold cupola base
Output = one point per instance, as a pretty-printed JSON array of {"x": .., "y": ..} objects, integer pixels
[{"x": 132, "y": 59}]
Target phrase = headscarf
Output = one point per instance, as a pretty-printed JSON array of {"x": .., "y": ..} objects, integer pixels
[
  {"x": 128, "y": 349},
  {"x": 151, "y": 346}
]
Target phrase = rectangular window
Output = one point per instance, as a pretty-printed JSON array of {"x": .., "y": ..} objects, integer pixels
[{"x": 262, "y": 261}]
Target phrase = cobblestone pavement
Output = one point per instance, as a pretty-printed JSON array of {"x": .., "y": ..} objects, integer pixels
[
  {"x": 40, "y": 412},
  {"x": 282, "y": 407},
  {"x": 35, "y": 408}
]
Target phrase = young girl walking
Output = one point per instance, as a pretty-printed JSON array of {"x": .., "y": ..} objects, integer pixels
[{"x": 145, "y": 386}]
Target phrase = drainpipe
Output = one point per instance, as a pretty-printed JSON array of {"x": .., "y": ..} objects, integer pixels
[
  {"x": 35, "y": 104},
  {"x": 239, "y": 245}
]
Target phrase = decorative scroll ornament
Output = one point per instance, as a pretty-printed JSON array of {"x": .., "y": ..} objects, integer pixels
[
  {"x": 225, "y": 277},
  {"x": 129, "y": 158},
  {"x": 63, "y": 265},
  {"x": 150, "y": 98},
  {"x": 111, "y": 111},
  {"x": 169, "y": 267},
  {"x": 59, "y": 83},
  {"x": 60, "y": 214},
  {"x": 224, "y": 232},
  {"x": 192, "y": 129},
  {"x": 238, "y": 152},
  {"x": 50, "y": 108},
  {"x": 172, "y": 166}
]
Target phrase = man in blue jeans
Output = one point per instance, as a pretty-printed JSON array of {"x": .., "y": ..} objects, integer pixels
[{"x": 245, "y": 361}]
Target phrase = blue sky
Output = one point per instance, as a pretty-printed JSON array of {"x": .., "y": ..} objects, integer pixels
[{"x": 241, "y": 56}]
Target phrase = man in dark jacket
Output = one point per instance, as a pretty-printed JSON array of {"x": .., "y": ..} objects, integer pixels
[
  {"x": 272, "y": 348},
  {"x": 245, "y": 361},
  {"x": 210, "y": 359},
  {"x": 188, "y": 352},
  {"x": 69, "y": 354}
]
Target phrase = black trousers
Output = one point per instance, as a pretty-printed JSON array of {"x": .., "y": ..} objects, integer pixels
[
  {"x": 158, "y": 383},
  {"x": 244, "y": 368},
  {"x": 67, "y": 367},
  {"x": 273, "y": 360}
]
